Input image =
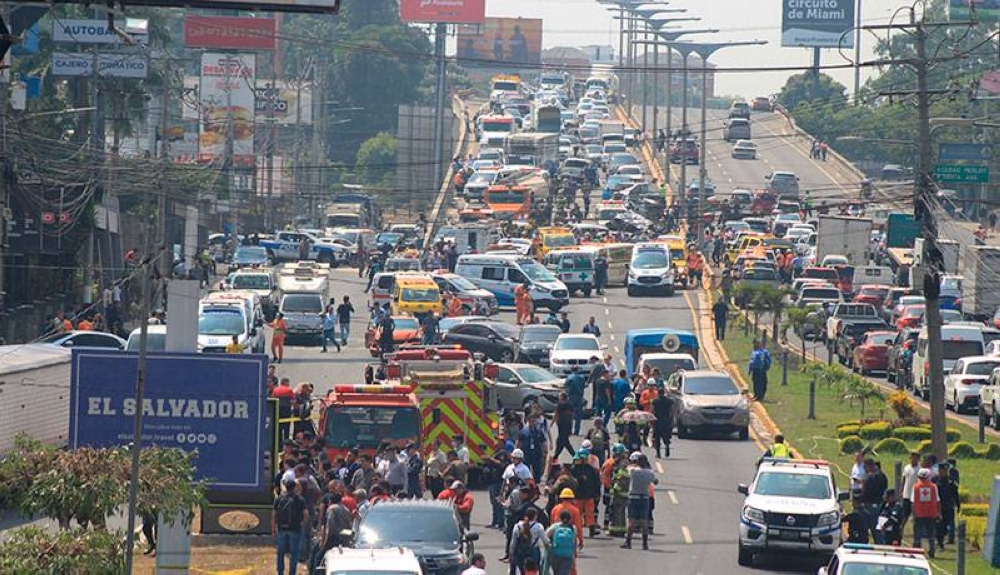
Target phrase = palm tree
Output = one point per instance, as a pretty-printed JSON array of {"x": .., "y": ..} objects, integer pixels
[
  {"x": 798, "y": 319},
  {"x": 861, "y": 390},
  {"x": 828, "y": 375},
  {"x": 770, "y": 299}
]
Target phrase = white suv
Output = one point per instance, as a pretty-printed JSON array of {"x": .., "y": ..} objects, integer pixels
[
  {"x": 574, "y": 350},
  {"x": 791, "y": 508},
  {"x": 863, "y": 558}
]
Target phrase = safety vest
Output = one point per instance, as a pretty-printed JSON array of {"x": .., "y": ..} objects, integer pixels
[
  {"x": 926, "y": 503},
  {"x": 780, "y": 450}
]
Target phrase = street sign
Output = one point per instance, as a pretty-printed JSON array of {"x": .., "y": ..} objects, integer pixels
[
  {"x": 108, "y": 65},
  {"x": 974, "y": 152},
  {"x": 961, "y": 174},
  {"x": 91, "y": 31}
]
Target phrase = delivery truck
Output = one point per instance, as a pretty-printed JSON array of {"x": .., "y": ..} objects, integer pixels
[
  {"x": 843, "y": 236},
  {"x": 981, "y": 288},
  {"x": 34, "y": 385}
]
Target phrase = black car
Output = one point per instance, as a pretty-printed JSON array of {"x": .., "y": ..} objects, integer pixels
[
  {"x": 849, "y": 334},
  {"x": 535, "y": 342},
  {"x": 250, "y": 257},
  {"x": 495, "y": 340},
  {"x": 898, "y": 369},
  {"x": 431, "y": 529}
]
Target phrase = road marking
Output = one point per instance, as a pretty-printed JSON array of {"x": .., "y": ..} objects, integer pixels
[
  {"x": 617, "y": 350},
  {"x": 612, "y": 337},
  {"x": 659, "y": 468},
  {"x": 687, "y": 534},
  {"x": 672, "y": 495},
  {"x": 605, "y": 298},
  {"x": 607, "y": 311},
  {"x": 611, "y": 325}
]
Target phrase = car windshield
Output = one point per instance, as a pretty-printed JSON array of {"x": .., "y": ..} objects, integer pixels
[
  {"x": 256, "y": 281},
  {"x": 560, "y": 240},
  {"x": 650, "y": 260},
  {"x": 368, "y": 426},
  {"x": 713, "y": 385},
  {"x": 462, "y": 284},
  {"x": 220, "y": 322},
  {"x": 391, "y": 526},
  {"x": 250, "y": 254},
  {"x": 821, "y": 273},
  {"x": 760, "y": 273},
  {"x": 534, "y": 374},
  {"x": 813, "y": 293},
  {"x": 577, "y": 344},
  {"x": 881, "y": 569},
  {"x": 882, "y": 339},
  {"x": 541, "y": 333},
  {"x": 388, "y": 238},
  {"x": 957, "y": 349},
  {"x": 668, "y": 365},
  {"x": 505, "y": 197},
  {"x": 537, "y": 272},
  {"x": 406, "y": 323},
  {"x": 481, "y": 178},
  {"x": 154, "y": 342},
  {"x": 424, "y": 295},
  {"x": 981, "y": 367},
  {"x": 497, "y": 126},
  {"x": 800, "y": 485},
  {"x": 302, "y": 303}
]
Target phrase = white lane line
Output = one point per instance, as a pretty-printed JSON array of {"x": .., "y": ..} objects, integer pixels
[
  {"x": 611, "y": 325},
  {"x": 659, "y": 467},
  {"x": 687, "y": 534},
  {"x": 605, "y": 298},
  {"x": 617, "y": 350},
  {"x": 673, "y": 497},
  {"x": 612, "y": 337},
  {"x": 607, "y": 311}
]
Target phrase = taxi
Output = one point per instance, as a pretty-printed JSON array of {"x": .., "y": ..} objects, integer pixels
[
  {"x": 416, "y": 293},
  {"x": 678, "y": 256},
  {"x": 549, "y": 238}
]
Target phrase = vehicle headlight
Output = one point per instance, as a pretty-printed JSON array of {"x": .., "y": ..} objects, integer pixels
[
  {"x": 543, "y": 289},
  {"x": 631, "y": 275},
  {"x": 753, "y": 514},
  {"x": 743, "y": 404},
  {"x": 831, "y": 518}
]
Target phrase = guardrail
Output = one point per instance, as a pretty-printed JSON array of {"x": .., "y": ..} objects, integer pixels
[
  {"x": 809, "y": 138},
  {"x": 460, "y": 110}
]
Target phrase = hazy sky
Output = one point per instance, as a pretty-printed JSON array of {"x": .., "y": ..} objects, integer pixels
[{"x": 581, "y": 22}]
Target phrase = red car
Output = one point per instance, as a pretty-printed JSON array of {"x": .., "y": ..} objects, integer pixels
[
  {"x": 910, "y": 316},
  {"x": 873, "y": 294},
  {"x": 826, "y": 274},
  {"x": 762, "y": 104},
  {"x": 872, "y": 354}
]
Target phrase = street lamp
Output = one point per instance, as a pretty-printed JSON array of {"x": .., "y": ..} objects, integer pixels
[{"x": 704, "y": 51}]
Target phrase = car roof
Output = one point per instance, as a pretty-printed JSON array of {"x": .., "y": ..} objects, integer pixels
[
  {"x": 577, "y": 336},
  {"x": 706, "y": 373}
]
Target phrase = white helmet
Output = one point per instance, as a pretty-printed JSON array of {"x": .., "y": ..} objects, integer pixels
[
  {"x": 587, "y": 444},
  {"x": 517, "y": 454}
]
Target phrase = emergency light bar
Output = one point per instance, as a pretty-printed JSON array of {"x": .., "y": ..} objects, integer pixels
[
  {"x": 883, "y": 548},
  {"x": 813, "y": 462},
  {"x": 400, "y": 389}
]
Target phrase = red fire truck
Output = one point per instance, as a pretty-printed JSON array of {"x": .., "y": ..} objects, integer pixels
[{"x": 364, "y": 416}]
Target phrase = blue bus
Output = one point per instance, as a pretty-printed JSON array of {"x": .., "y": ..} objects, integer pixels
[{"x": 657, "y": 340}]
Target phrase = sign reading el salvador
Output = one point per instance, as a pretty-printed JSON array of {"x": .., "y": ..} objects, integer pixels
[{"x": 211, "y": 403}]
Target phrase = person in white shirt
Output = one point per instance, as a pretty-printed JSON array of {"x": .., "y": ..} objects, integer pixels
[
  {"x": 517, "y": 470},
  {"x": 477, "y": 566},
  {"x": 858, "y": 471},
  {"x": 461, "y": 449},
  {"x": 909, "y": 480}
]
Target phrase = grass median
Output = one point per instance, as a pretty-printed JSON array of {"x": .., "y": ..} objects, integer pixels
[{"x": 788, "y": 406}]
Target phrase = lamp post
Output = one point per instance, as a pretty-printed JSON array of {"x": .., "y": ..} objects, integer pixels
[
  {"x": 646, "y": 12},
  {"x": 704, "y": 51}
]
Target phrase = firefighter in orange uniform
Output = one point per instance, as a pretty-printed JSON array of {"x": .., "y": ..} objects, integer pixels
[{"x": 522, "y": 303}]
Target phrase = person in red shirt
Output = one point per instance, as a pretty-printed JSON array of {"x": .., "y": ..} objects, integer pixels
[
  {"x": 462, "y": 499},
  {"x": 926, "y": 509}
]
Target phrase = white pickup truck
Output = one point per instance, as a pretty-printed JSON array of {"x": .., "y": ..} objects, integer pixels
[
  {"x": 285, "y": 247},
  {"x": 846, "y": 310}
]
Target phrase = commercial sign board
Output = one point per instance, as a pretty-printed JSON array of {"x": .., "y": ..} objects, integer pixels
[
  {"x": 226, "y": 94},
  {"x": 817, "y": 23},
  {"x": 212, "y": 403},
  {"x": 89, "y": 31},
  {"x": 973, "y": 152},
  {"x": 229, "y": 32},
  {"x": 311, "y": 6},
  {"x": 451, "y": 11},
  {"x": 108, "y": 65},
  {"x": 961, "y": 174},
  {"x": 502, "y": 41},
  {"x": 982, "y": 11},
  {"x": 291, "y": 101}
]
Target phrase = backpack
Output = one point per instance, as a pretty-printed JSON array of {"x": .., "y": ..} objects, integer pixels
[
  {"x": 524, "y": 544},
  {"x": 285, "y": 511},
  {"x": 564, "y": 541}
]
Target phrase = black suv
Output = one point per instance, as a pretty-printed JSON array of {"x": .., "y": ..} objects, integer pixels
[
  {"x": 495, "y": 340},
  {"x": 431, "y": 529},
  {"x": 535, "y": 343}
]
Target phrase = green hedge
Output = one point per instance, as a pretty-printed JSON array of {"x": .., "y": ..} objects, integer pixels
[
  {"x": 892, "y": 445},
  {"x": 962, "y": 450},
  {"x": 854, "y": 422},
  {"x": 975, "y": 510},
  {"x": 925, "y": 447},
  {"x": 851, "y": 444},
  {"x": 992, "y": 452},
  {"x": 876, "y": 430},
  {"x": 847, "y": 430},
  {"x": 910, "y": 433}
]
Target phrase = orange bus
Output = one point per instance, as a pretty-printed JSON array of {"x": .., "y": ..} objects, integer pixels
[{"x": 509, "y": 202}]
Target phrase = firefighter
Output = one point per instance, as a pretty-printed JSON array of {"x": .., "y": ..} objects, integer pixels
[
  {"x": 588, "y": 483},
  {"x": 522, "y": 303},
  {"x": 619, "y": 491}
]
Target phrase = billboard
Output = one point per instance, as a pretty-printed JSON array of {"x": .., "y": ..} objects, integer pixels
[
  {"x": 817, "y": 23},
  {"x": 108, "y": 65},
  {"x": 502, "y": 41},
  {"x": 212, "y": 403},
  {"x": 311, "y": 6},
  {"x": 229, "y": 32},
  {"x": 89, "y": 31},
  {"x": 226, "y": 92},
  {"x": 983, "y": 11},
  {"x": 452, "y": 11},
  {"x": 291, "y": 100}
]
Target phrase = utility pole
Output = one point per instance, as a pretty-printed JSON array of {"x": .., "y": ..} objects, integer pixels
[
  {"x": 923, "y": 206},
  {"x": 318, "y": 155},
  {"x": 440, "y": 31},
  {"x": 161, "y": 202},
  {"x": 4, "y": 84}
]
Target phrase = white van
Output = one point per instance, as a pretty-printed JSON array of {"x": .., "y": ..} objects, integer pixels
[
  {"x": 224, "y": 315},
  {"x": 574, "y": 267},
  {"x": 650, "y": 269},
  {"x": 958, "y": 340},
  {"x": 501, "y": 273}
]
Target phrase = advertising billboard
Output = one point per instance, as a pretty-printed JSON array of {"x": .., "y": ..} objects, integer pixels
[
  {"x": 108, "y": 65},
  {"x": 310, "y": 6},
  {"x": 451, "y": 11},
  {"x": 292, "y": 101},
  {"x": 502, "y": 41},
  {"x": 226, "y": 93},
  {"x": 817, "y": 23},
  {"x": 212, "y": 403},
  {"x": 983, "y": 11},
  {"x": 89, "y": 31},
  {"x": 229, "y": 32}
]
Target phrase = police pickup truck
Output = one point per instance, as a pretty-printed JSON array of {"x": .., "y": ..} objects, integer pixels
[{"x": 285, "y": 247}]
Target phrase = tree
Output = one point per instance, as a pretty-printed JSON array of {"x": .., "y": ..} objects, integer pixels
[
  {"x": 798, "y": 319},
  {"x": 376, "y": 164},
  {"x": 804, "y": 88},
  {"x": 36, "y": 551},
  {"x": 859, "y": 389},
  {"x": 770, "y": 299}
]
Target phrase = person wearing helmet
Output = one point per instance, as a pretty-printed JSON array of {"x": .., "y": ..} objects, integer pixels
[
  {"x": 630, "y": 429},
  {"x": 516, "y": 473},
  {"x": 567, "y": 503},
  {"x": 641, "y": 480},
  {"x": 600, "y": 441},
  {"x": 588, "y": 489},
  {"x": 619, "y": 487}
]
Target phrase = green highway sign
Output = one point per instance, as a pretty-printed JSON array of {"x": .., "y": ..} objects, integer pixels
[{"x": 961, "y": 174}]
